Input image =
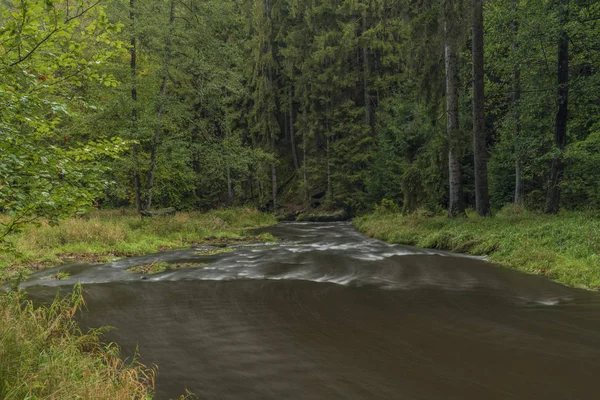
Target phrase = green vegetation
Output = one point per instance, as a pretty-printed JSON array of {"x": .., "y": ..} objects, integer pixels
[
  {"x": 105, "y": 235},
  {"x": 160, "y": 267},
  {"x": 289, "y": 105},
  {"x": 564, "y": 247},
  {"x": 278, "y": 104},
  {"x": 213, "y": 252},
  {"x": 323, "y": 216},
  {"x": 44, "y": 355},
  {"x": 59, "y": 276}
]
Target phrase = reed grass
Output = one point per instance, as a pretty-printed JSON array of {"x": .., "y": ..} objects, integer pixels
[{"x": 45, "y": 355}]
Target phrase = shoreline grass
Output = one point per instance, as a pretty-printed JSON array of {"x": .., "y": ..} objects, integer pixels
[
  {"x": 105, "y": 236},
  {"x": 45, "y": 355},
  {"x": 564, "y": 247}
]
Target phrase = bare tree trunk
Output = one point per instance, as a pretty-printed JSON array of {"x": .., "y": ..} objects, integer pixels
[
  {"x": 482, "y": 198},
  {"x": 134, "y": 125},
  {"x": 161, "y": 106},
  {"x": 456, "y": 206},
  {"x": 329, "y": 188},
  {"x": 274, "y": 185},
  {"x": 516, "y": 99},
  {"x": 292, "y": 131},
  {"x": 304, "y": 174},
  {"x": 229, "y": 187},
  {"x": 560, "y": 136},
  {"x": 366, "y": 74},
  {"x": 274, "y": 177}
]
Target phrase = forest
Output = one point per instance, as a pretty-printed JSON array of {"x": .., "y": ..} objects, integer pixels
[
  {"x": 333, "y": 104},
  {"x": 464, "y": 126}
]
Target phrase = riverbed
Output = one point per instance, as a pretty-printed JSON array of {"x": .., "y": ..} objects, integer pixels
[{"x": 326, "y": 313}]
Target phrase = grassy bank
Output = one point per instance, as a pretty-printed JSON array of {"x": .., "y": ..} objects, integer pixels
[
  {"x": 44, "y": 355},
  {"x": 565, "y": 247},
  {"x": 107, "y": 235}
]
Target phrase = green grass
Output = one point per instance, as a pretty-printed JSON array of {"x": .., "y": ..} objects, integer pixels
[
  {"x": 107, "y": 235},
  {"x": 44, "y": 355},
  {"x": 564, "y": 247}
]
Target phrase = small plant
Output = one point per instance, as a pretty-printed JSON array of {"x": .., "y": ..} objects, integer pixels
[{"x": 61, "y": 275}]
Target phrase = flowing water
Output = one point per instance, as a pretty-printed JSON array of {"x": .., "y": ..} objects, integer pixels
[{"x": 329, "y": 314}]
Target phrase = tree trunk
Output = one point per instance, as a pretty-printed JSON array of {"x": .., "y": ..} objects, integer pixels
[
  {"x": 366, "y": 73},
  {"x": 409, "y": 193},
  {"x": 274, "y": 177},
  {"x": 304, "y": 174},
  {"x": 134, "y": 126},
  {"x": 516, "y": 98},
  {"x": 482, "y": 198},
  {"x": 229, "y": 187},
  {"x": 161, "y": 106},
  {"x": 329, "y": 188},
  {"x": 560, "y": 136},
  {"x": 292, "y": 131},
  {"x": 455, "y": 204}
]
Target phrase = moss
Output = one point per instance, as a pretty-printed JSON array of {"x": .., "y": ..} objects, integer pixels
[{"x": 563, "y": 247}]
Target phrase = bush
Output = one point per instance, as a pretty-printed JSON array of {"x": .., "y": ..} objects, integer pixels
[{"x": 387, "y": 207}]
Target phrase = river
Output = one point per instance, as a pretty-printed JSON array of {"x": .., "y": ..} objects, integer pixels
[{"x": 329, "y": 314}]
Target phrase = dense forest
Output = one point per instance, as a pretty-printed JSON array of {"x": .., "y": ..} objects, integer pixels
[{"x": 335, "y": 104}]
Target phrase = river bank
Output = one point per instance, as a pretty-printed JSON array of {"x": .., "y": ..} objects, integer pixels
[
  {"x": 564, "y": 247},
  {"x": 45, "y": 355},
  {"x": 106, "y": 236},
  {"x": 43, "y": 352}
]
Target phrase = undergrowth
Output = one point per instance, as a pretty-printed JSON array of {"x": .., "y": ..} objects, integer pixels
[{"x": 564, "y": 247}]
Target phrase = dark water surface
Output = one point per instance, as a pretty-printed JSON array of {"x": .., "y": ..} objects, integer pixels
[{"x": 330, "y": 314}]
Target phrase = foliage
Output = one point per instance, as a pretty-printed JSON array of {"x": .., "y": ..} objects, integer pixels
[
  {"x": 48, "y": 49},
  {"x": 341, "y": 101}
]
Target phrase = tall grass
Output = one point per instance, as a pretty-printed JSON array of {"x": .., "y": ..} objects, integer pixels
[
  {"x": 564, "y": 247},
  {"x": 45, "y": 355},
  {"x": 103, "y": 235}
]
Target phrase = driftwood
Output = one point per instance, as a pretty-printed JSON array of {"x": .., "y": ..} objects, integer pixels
[{"x": 159, "y": 213}]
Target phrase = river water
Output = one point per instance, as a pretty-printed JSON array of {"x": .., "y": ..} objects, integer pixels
[{"x": 329, "y": 314}]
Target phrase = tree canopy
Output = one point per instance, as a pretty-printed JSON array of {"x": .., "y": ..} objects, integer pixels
[{"x": 329, "y": 103}]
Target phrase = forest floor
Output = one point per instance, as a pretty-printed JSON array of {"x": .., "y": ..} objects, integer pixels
[
  {"x": 106, "y": 236},
  {"x": 564, "y": 247}
]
